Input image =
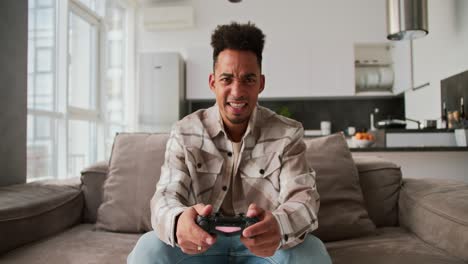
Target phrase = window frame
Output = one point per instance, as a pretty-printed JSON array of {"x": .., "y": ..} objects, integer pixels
[{"x": 63, "y": 112}]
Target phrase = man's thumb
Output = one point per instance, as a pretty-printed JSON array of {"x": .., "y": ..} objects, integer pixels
[{"x": 204, "y": 210}]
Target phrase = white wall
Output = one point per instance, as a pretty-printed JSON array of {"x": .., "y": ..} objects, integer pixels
[
  {"x": 309, "y": 43},
  {"x": 441, "y": 54}
]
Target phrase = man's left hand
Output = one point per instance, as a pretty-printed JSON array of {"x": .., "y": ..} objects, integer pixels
[{"x": 262, "y": 238}]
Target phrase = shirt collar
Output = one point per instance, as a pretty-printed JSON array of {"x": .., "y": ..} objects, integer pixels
[{"x": 215, "y": 122}]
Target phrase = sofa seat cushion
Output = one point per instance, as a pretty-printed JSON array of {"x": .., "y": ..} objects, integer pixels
[
  {"x": 390, "y": 245},
  {"x": 80, "y": 244},
  {"x": 436, "y": 210},
  {"x": 32, "y": 211}
]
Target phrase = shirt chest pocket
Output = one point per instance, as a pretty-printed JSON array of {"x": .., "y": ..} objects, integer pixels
[
  {"x": 264, "y": 169},
  {"x": 204, "y": 168}
]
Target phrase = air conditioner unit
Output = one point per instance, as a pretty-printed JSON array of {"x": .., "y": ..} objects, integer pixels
[{"x": 168, "y": 17}]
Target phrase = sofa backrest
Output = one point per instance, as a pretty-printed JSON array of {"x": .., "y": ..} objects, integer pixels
[{"x": 379, "y": 180}]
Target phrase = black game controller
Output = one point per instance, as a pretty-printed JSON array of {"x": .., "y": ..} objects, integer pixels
[{"x": 225, "y": 225}]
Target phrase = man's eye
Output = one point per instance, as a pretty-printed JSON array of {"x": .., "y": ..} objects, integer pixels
[
  {"x": 225, "y": 80},
  {"x": 249, "y": 80}
]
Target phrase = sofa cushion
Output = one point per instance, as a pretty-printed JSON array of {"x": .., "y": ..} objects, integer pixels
[
  {"x": 380, "y": 182},
  {"x": 77, "y": 245},
  {"x": 134, "y": 169},
  {"x": 32, "y": 211},
  {"x": 390, "y": 245},
  {"x": 342, "y": 213}
]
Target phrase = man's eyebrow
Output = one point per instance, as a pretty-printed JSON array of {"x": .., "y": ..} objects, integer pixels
[
  {"x": 247, "y": 75},
  {"x": 230, "y": 75}
]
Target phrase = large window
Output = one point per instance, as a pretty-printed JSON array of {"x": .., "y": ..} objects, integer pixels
[
  {"x": 115, "y": 77},
  {"x": 43, "y": 114},
  {"x": 83, "y": 108},
  {"x": 76, "y": 84}
]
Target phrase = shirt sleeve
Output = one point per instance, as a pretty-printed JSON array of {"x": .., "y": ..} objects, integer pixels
[
  {"x": 172, "y": 191},
  {"x": 299, "y": 199}
]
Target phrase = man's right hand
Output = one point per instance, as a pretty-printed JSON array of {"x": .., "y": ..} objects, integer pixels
[{"x": 190, "y": 237}]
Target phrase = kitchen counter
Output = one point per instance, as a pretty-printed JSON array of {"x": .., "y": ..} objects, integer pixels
[
  {"x": 409, "y": 140},
  {"x": 407, "y": 149},
  {"x": 425, "y": 130}
]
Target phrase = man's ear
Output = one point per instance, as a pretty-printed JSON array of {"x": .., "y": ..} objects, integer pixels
[
  {"x": 211, "y": 82},
  {"x": 262, "y": 83}
]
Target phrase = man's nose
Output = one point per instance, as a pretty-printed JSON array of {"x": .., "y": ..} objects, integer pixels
[{"x": 237, "y": 87}]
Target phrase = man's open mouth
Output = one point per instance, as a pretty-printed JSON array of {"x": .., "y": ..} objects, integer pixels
[{"x": 237, "y": 105}]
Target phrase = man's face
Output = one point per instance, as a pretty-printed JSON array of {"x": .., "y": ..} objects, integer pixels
[{"x": 237, "y": 82}]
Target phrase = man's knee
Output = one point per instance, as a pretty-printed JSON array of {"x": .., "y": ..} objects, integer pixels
[
  {"x": 149, "y": 249},
  {"x": 313, "y": 248}
]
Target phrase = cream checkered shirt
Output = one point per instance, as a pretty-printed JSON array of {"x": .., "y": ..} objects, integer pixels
[{"x": 272, "y": 172}]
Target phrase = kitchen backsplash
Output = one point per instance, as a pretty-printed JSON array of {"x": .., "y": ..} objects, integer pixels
[
  {"x": 452, "y": 89},
  {"x": 341, "y": 112}
]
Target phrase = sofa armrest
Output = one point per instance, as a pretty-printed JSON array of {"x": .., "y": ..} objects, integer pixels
[
  {"x": 92, "y": 179},
  {"x": 437, "y": 212},
  {"x": 29, "y": 212}
]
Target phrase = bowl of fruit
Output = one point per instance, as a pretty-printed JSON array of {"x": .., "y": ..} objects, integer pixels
[{"x": 363, "y": 140}]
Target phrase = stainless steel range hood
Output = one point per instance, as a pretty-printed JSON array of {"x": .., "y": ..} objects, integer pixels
[{"x": 406, "y": 19}]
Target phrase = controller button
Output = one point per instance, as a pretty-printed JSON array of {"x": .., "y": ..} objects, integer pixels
[
  {"x": 199, "y": 165},
  {"x": 230, "y": 154},
  {"x": 262, "y": 171},
  {"x": 224, "y": 188}
]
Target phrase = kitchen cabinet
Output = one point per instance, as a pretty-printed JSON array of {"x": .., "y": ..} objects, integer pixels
[
  {"x": 383, "y": 69},
  {"x": 308, "y": 48},
  {"x": 161, "y": 93},
  {"x": 325, "y": 71}
]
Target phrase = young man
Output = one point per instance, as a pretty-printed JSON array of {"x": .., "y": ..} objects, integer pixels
[{"x": 235, "y": 157}]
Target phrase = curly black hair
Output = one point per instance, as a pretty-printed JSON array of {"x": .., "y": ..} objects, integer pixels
[{"x": 237, "y": 36}]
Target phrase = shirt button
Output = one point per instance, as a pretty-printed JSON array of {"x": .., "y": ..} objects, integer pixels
[
  {"x": 224, "y": 188},
  {"x": 230, "y": 154},
  {"x": 262, "y": 171},
  {"x": 198, "y": 165}
]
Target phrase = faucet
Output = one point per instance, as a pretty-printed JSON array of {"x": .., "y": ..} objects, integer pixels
[
  {"x": 416, "y": 121},
  {"x": 372, "y": 126}
]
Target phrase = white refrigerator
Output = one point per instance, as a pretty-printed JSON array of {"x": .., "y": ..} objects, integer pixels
[{"x": 161, "y": 91}]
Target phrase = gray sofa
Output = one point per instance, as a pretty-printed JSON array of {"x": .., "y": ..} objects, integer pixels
[{"x": 413, "y": 220}]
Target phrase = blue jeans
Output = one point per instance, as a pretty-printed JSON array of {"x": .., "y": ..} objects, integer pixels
[{"x": 149, "y": 249}]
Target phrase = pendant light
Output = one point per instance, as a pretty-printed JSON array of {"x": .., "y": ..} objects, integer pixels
[{"x": 406, "y": 19}]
